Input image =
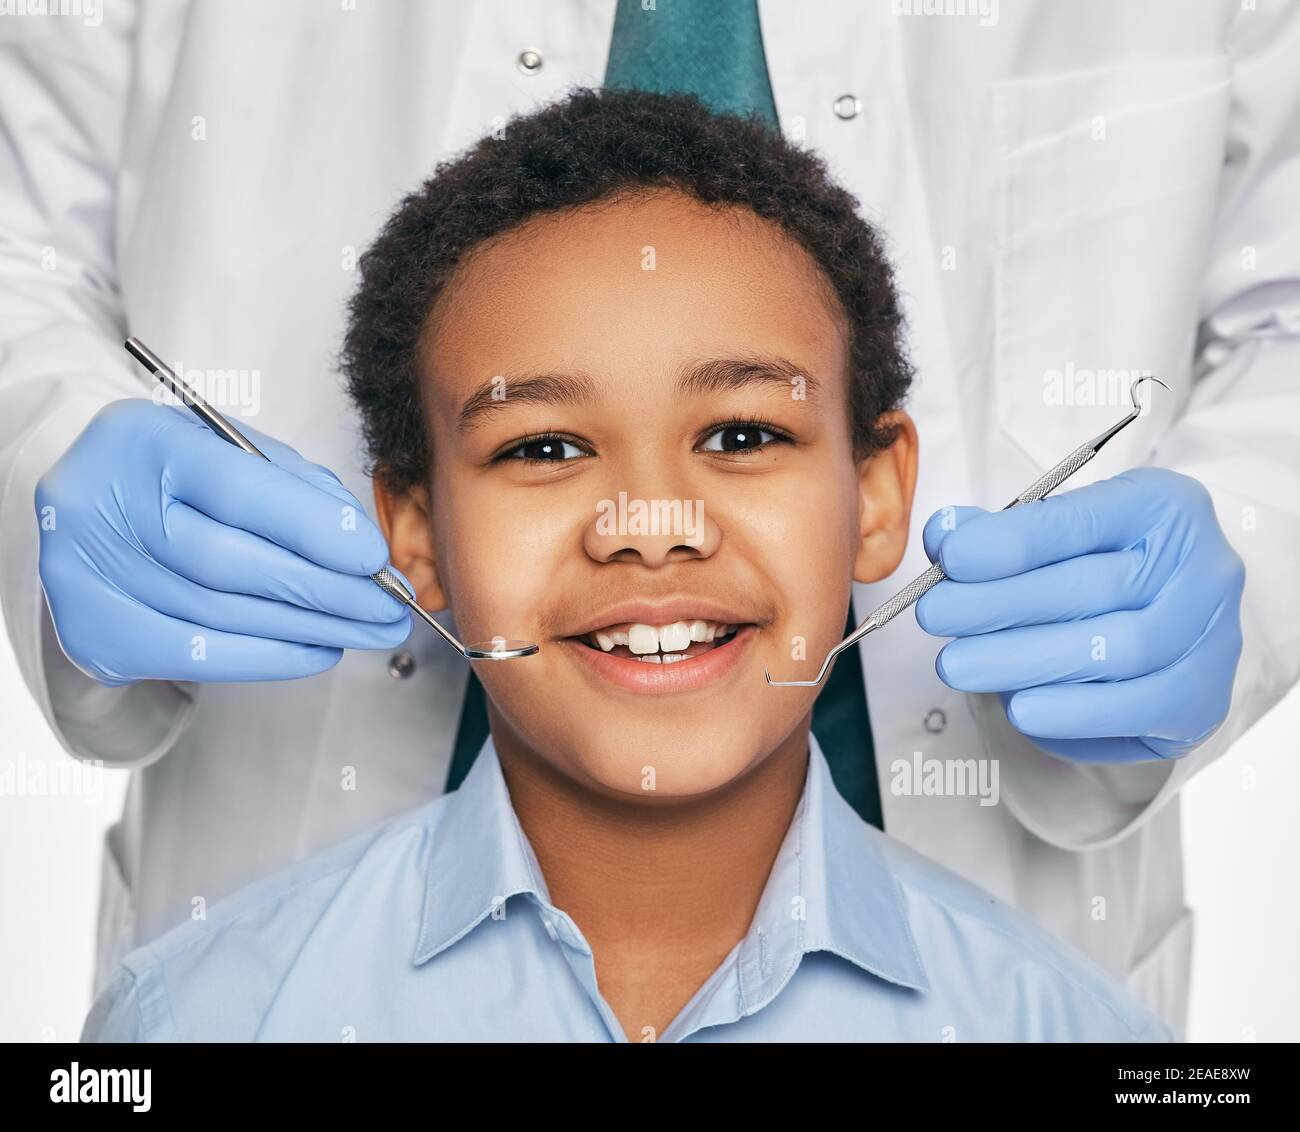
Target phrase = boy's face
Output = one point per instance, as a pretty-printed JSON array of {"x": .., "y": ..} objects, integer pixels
[{"x": 640, "y": 425}]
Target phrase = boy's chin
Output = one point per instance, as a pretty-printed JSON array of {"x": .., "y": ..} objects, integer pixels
[{"x": 673, "y": 766}]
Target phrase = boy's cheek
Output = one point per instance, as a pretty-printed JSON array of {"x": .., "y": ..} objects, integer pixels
[
  {"x": 806, "y": 538},
  {"x": 494, "y": 558}
]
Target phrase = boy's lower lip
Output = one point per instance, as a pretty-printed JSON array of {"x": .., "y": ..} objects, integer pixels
[{"x": 682, "y": 676}]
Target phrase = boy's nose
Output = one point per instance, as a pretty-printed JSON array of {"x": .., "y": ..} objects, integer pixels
[{"x": 653, "y": 532}]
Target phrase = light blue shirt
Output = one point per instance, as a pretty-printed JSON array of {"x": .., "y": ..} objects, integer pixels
[{"x": 439, "y": 926}]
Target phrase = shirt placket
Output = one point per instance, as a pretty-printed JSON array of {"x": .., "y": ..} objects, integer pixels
[{"x": 564, "y": 933}]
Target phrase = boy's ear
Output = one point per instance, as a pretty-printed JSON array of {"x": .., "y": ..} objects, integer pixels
[
  {"x": 886, "y": 481},
  {"x": 404, "y": 519}
]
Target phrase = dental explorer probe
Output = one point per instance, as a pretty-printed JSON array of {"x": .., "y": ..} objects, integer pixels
[
  {"x": 385, "y": 579},
  {"x": 910, "y": 594}
]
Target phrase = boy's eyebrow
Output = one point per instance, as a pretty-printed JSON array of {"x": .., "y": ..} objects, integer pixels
[
  {"x": 713, "y": 376},
  {"x": 539, "y": 389},
  {"x": 735, "y": 373}
]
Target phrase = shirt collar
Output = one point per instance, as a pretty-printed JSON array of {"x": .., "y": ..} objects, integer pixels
[
  {"x": 830, "y": 889},
  {"x": 478, "y": 859}
]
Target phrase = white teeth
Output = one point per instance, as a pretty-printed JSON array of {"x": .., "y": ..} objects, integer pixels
[
  {"x": 643, "y": 639},
  {"x": 646, "y": 641},
  {"x": 653, "y": 658},
  {"x": 675, "y": 637}
]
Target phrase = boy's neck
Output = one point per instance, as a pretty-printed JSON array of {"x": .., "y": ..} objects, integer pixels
[{"x": 661, "y": 892}]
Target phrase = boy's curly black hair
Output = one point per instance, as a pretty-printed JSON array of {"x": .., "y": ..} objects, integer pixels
[{"x": 588, "y": 146}]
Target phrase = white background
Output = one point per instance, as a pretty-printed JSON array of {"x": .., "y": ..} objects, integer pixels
[{"x": 1238, "y": 823}]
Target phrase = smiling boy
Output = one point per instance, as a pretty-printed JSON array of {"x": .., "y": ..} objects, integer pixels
[{"x": 628, "y": 299}]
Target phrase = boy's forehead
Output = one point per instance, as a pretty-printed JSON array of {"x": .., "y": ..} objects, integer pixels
[{"x": 632, "y": 286}]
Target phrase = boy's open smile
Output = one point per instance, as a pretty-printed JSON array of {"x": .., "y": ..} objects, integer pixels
[{"x": 674, "y": 646}]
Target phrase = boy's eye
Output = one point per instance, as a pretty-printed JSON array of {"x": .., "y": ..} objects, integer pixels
[
  {"x": 543, "y": 450},
  {"x": 739, "y": 437}
]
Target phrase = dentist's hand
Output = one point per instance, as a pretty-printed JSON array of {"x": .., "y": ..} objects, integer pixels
[
  {"x": 1108, "y": 617},
  {"x": 168, "y": 554}
]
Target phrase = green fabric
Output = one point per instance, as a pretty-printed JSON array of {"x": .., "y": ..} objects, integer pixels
[
  {"x": 472, "y": 733},
  {"x": 714, "y": 49},
  {"x": 843, "y": 728},
  {"x": 710, "y": 48}
]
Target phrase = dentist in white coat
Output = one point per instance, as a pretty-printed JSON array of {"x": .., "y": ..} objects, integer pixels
[{"x": 1067, "y": 189}]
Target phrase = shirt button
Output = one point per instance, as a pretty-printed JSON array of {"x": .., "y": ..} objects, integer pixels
[
  {"x": 550, "y": 929},
  {"x": 935, "y": 720},
  {"x": 401, "y": 665},
  {"x": 529, "y": 61},
  {"x": 847, "y": 106}
]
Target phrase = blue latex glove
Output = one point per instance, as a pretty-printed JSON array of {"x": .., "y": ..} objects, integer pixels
[
  {"x": 169, "y": 554},
  {"x": 1107, "y": 617}
]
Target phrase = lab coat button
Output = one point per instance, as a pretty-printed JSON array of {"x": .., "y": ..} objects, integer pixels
[
  {"x": 935, "y": 720},
  {"x": 847, "y": 106},
  {"x": 529, "y": 61},
  {"x": 401, "y": 665}
]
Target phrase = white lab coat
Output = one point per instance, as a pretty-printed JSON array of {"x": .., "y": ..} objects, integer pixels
[{"x": 1079, "y": 186}]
